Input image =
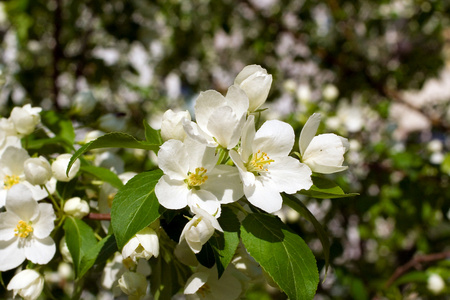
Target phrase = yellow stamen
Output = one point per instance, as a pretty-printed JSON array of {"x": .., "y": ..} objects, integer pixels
[
  {"x": 258, "y": 162},
  {"x": 204, "y": 290},
  {"x": 23, "y": 229},
  {"x": 110, "y": 199},
  {"x": 197, "y": 179},
  {"x": 9, "y": 181}
]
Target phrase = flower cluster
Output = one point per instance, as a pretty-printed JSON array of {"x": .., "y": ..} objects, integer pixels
[{"x": 223, "y": 157}]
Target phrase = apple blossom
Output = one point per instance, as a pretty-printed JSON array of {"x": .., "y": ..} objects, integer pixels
[
  {"x": 37, "y": 170},
  {"x": 76, "y": 207},
  {"x": 192, "y": 178},
  {"x": 144, "y": 244},
  {"x": 59, "y": 167},
  {"x": 199, "y": 229},
  {"x": 84, "y": 103},
  {"x": 255, "y": 82},
  {"x": 323, "y": 153},
  {"x": 133, "y": 284},
  {"x": 24, "y": 230},
  {"x": 435, "y": 283},
  {"x": 27, "y": 283},
  {"x": 219, "y": 119},
  {"x": 172, "y": 125},
  {"x": 12, "y": 172},
  {"x": 25, "y": 118},
  {"x": 206, "y": 284},
  {"x": 265, "y": 168}
]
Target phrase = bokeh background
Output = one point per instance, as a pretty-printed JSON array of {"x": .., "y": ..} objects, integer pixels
[{"x": 378, "y": 72}]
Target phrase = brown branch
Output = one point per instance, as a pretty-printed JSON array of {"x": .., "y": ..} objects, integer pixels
[
  {"x": 415, "y": 262},
  {"x": 97, "y": 216}
]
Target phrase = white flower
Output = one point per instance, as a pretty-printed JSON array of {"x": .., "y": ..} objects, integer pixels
[
  {"x": 219, "y": 119},
  {"x": 265, "y": 167},
  {"x": 199, "y": 229},
  {"x": 27, "y": 283},
  {"x": 24, "y": 230},
  {"x": 64, "y": 250},
  {"x": 205, "y": 284},
  {"x": 435, "y": 283},
  {"x": 144, "y": 244},
  {"x": 256, "y": 83},
  {"x": 37, "y": 170},
  {"x": 76, "y": 207},
  {"x": 25, "y": 118},
  {"x": 133, "y": 284},
  {"x": 84, "y": 103},
  {"x": 12, "y": 172},
  {"x": 172, "y": 125},
  {"x": 192, "y": 177},
  {"x": 59, "y": 167},
  {"x": 323, "y": 153}
]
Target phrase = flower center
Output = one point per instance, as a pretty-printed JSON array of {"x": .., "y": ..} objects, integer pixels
[
  {"x": 258, "y": 162},
  {"x": 194, "y": 180},
  {"x": 9, "y": 181},
  {"x": 204, "y": 290},
  {"x": 23, "y": 229}
]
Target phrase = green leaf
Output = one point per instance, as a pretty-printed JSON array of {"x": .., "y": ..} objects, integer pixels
[
  {"x": 103, "y": 174},
  {"x": 135, "y": 206},
  {"x": 60, "y": 126},
  {"x": 99, "y": 254},
  {"x": 80, "y": 239},
  {"x": 224, "y": 244},
  {"x": 413, "y": 276},
  {"x": 206, "y": 256},
  {"x": 323, "y": 188},
  {"x": 282, "y": 254},
  {"x": 298, "y": 206},
  {"x": 113, "y": 140},
  {"x": 152, "y": 136}
]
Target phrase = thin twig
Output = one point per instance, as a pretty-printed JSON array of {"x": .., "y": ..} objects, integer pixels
[
  {"x": 97, "y": 216},
  {"x": 414, "y": 262}
]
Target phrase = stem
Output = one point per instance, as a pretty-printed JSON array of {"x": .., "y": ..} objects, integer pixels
[
  {"x": 238, "y": 206},
  {"x": 52, "y": 198},
  {"x": 78, "y": 288},
  {"x": 98, "y": 216}
]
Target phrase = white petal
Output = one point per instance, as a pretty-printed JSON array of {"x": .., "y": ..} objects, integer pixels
[
  {"x": 23, "y": 279},
  {"x": 130, "y": 247},
  {"x": 171, "y": 194},
  {"x": 44, "y": 225},
  {"x": 10, "y": 255},
  {"x": 3, "y": 194},
  {"x": 40, "y": 251},
  {"x": 309, "y": 131},
  {"x": 289, "y": 175},
  {"x": 225, "y": 183},
  {"x": 325, "y": 150},
  {"x": 13, "y": 159},
  {"x": 195, "y": 282},
  {"x": 246, "y": 177},
  {"x": 149, "y": 242},
  {"x": 20, "y": 202},
  {"x": 8, "y": 222},
  {"x": 222, "y": 125},
  {"x": 238, "y": 100},
  {"x": 173, "y": 159},
  {"x": 196, "y": 133},
  {"x": 248, "y": 135},
  {"x": 322, "y": 169},
  {"x": 205, "y": 200},
  {"x": 37, "y": 192},
  {"x": 275, "y": 138},
  {"x": 207, "y": 102},
  {"x": 263, "y": 195},
  {"x": 212, "y": 220},
  {"x": 200, "y": 155}
]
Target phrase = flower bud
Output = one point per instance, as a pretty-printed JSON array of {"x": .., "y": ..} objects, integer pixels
[
  {"x": 76, "y": 207},
  {"x": 112, "y": 122},
  {"x": 133, "y": 284},
  {"x": 172, "y": 125},
  {"x": 27, "y": 283},
  {"x": 84, "y": 103},
  {"x": 67, "y": 257},
  {"x": 59, "y": 167},
  {"x": 435, "y": 283},
  {"x": 256, "y": 83},
  {"x": 25, "y": 118},
  {"x": 144, "y": 244},
  {"x": 37, "y": 170}
]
